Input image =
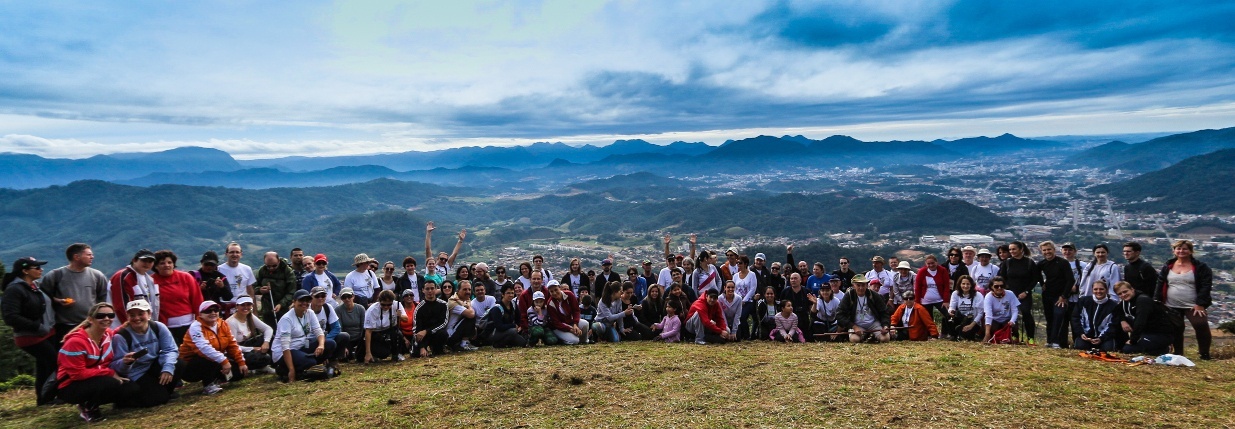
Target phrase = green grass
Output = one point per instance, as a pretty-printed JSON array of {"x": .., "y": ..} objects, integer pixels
[{"x": 934, "y": 384}]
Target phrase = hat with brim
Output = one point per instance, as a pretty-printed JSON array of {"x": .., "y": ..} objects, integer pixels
[
  {"x": 27, "y": 262},
  {"x": 144, "y": 254},
  {"x": 244, "y": 299},
  {"x": 301, "y": 295},
  {"x": 347, "y": 291},
  {"x": 205, "y": 305},
  {"x": 984, "y": 252},
  {"x": 904, "y": 265},
  {"x": 138, "y": 304}
]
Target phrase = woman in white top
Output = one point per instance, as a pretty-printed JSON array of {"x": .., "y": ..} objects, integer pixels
[
  {"x": 1100, "y": 269},
  {"x": 746, "y": 285},
  {"x": 252, "y": 335},
  {"x": 382, "y": 337},
  {"x": 823, "y": 316},
  {"x": 706, "y": 275},
  {"x": 1185, "y": 285},
  {"x": 361, "y": 280},
  {"x": 965, "y": 315},
  {"x": 387, "y": 280}
]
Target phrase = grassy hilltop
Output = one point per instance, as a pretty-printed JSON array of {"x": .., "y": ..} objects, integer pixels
[{"x": 934, "y": 384}]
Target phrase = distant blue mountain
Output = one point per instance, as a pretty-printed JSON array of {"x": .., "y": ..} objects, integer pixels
[
  {"x": 19, "y": 171},
  {"x": 1155, "y": 154}
]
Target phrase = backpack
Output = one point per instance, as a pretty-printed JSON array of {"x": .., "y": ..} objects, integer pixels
[{"x": 1002, "y": 335}]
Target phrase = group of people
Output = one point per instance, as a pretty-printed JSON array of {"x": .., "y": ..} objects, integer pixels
[{"x": 137, "y": 336}]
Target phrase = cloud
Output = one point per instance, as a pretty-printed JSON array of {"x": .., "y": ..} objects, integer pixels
[{"x": 435, "y": 74}]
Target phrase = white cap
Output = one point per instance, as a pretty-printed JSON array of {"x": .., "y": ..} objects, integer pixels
[
  {"x": 139, "y": 304},
  {"x": 244, "y": 299},
  {"x": 538, "y": 295}
]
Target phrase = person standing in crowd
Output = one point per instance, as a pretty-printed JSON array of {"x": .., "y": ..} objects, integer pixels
[
  {"x": 1185, "y": 285},
  {"x": 134, "y": 282},
  {"x": 845, "y": 273},
  {"x": 1057, "y": 281},
  {"x": 666, "y": 274},
  {"x": 28, "y": 310},
  {"x": 649, "y": 278},
  {"x": 877, "y": 272},
  {"x": 774, "y": 279},
  {"x": 983, "y": 271},
  {"x": 387, "y": 280},
  {"x": 321, "y": 276},
  {"x": 903, "y": 280},
  {"x": 914, "y": 320},
  {"x": 956, "y": 265},
  {"x": 502, "y": 279},
  {"x": 1003, "y": 252},
  {"x": 1078, "y": 267},
  {"x": 209, "y": 353},
  {"x": 706, "y": 320},
  {"x": 361, "y": 280},
  {"x": 707, "y": 276},
  {"x": 1000, "y": 309},
  {"x": 800, "y": 297},
  {"x": 299, "y": 268},
  {"x": 641, "y": 287},
  {"x": 1102, "y": 269},
  {"x": 965, "y": 315},
  {"x": 762, "y": 272},
  {"x": 525, "y": 275},
  {"x": 1146, "y": 324},
  {"x": 538, "y": 264},
  {"x": 153, "y": 373},
  {"x": 300, "y": 346},
  {"x": 276, "y": 283},
  {"x": 968, "y": 253},
  {"x": 240, "y": 276},
  {"x": 215, "y": 286},
  {"x": 179, "y": 294},
  {"x": 1021, "y": 275},
  {"x": 84, "y": 365},
  {"x": 444, "y": 261},
  {"x": 730, "y": 267},
  {"x": 818, "y": 280},
  {"x": 864, "y": 314},
  {"x": 73, "y": 288},
  {"x": 382, "y": 336},
  {"x": 575, "y": 278},
  {"x": 1139, "y": 272},
  {"x": 746, "y": 285},
  {"x": 791, "y": 265},
  {"x": 252, "y": 335},
  {"x": 603, "y": 278},
  {"x": 1092, "y": 319},
  {"x": 411, "y": 280},
  {"x": 933, "y": 285}
]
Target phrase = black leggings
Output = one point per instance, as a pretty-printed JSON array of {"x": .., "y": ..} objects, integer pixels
[
  {"x": 149, "y": 392},
  {"x": 95, "y": 391},
  {"x": 507, "y": 338},
  {"x": 44, "y": 353},
  {"x": 1200, "y": 324},
  {"x": 638, "y": 332},
  {"x": 387, "y": 343},
  {"x": 208, "y": 372}
]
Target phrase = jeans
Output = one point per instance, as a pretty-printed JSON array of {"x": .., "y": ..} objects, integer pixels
[
  {"x": 304, "y": 358},
  {"x": 1200, "y": 324}
]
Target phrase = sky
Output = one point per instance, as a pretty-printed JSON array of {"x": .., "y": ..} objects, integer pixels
[{"x": 315, "y": 78}]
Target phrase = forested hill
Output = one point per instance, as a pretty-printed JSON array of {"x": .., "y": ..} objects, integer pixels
[
  {"x": 1200, "y": 184},
  {"x": 386, "y": 217}
]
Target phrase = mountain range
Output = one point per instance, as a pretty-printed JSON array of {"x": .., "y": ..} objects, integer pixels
[
  {"x": 1200, "y": 184},
  {"x": 1156, "y": 153}
]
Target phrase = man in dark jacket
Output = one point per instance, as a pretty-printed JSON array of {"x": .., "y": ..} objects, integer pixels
[
  {"x": 1138, "y": 271},
  {"x": 604, "y": 277},
  {"x": 276, "y": 282},
  {"x": 1057, "y": 282},
  {"x": 865, "y": 314},
  {"x": 410, "y": 279}
]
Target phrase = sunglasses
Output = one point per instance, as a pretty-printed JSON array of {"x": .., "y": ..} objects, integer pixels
[
  {"x": 387, "y": 304},
  {"x": 211, "y": 310},
  {"x": 319, "y": 263},
  {"x": 101, "y": 316},
  {"x": 320, "y": 295}
]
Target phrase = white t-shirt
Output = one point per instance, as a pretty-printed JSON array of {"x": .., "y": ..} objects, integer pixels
[
  {"x": 577, "y": 281},
  {"x": 239, "y": 277},
  {"x": 362, "y": 283},
  {"x": 391, "y": 285},
  {"x": 292, "y": 333},
  {"x": 326, "y": 317},
  {"x": 982, "y": 276},
  {"x": 862, "y": 314},
  {"x": 665, "y": 278},
  {"x": 826, "y": 310},
  {"x": 932, "y": 290},
  {"x": 745, "y": 287},
  {"x": 482, "y": 307},
  {"x": 378, "y": 320},
  {"x": 1000, "y": 309},
  {"x": 456, "y": 317}
]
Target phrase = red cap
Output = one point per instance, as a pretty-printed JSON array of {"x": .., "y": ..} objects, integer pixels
[{"x": 320, "y": 257}]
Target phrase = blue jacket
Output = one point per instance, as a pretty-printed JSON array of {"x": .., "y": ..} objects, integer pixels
[
  {"x": 162, "y": 350},
  {"x": 310, "y": 281}
]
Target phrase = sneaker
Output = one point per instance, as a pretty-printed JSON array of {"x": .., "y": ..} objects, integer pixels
[
  {"x": 329, "y": 372},
  {"x": 267, "y": 370},
  {"x": 399, "y": 357},
  {"x": 468, "y": 346},
  {"x": 84, "y": 413},
  {"x": 96, "y": 415},
  {"x": 1052, "y": 345},
  {"x": 315, "y": 371},
  {"x": 700, "y": 342},
  {"x": 211, "y": 389}
]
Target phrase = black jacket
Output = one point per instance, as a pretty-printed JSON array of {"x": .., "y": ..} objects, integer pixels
[
  {"x": 23, "y": 307},
  {"x": 598, "y": 288},
  {"x": 1146, "y": 317},
  {"x": 1142, "y": 276},
  {"x": 1204, "y": 282},
  {"x": 1057, "y": 279},
  {"x": 849, "y": 305},
  {"x": 1094, "y": 320},
  {"x": 1020, "y": 275},
  {"x": 961, "y": 270},
  {"x": 431, "y": 316},
  {"x": 402, "y": 283}
]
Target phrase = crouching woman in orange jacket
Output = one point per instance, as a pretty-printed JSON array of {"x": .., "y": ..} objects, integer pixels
[
  {"x": 209, "y": 353},
  {"x": 913, "y": 320}
]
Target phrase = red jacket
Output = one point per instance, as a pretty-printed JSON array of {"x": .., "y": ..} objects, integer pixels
[
  {"x": 562, "y": 315},
  {"x": 179, "y": 297},
  {"x": 81, "y": 359},
  {"x": 920, "y": 322},
  {"x": 713, "y": 317},
  {"x": 943, "y": 282}
]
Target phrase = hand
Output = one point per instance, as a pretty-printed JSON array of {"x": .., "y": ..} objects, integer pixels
[
  {"x": 629, "y": 311},
  {"x": 165, "y": 378},
  {"x": 420, "y": 335},
  {"x": 226, "y": 368},
  {"x": 368, "y": 357},
  {"x": 1061, "y": 302},
  {"x": 1022, "y": 295},
  {"x": 264, "y": 290},
  {"x": 278, "y": 308},
  {"x": 429, "y": 227},
  {"x": 627, "y": 330},
  {"x": 789, "y": 249},
  {"x": 1127, "y": 327},
  {"x": 265, "y": 348},
  {"x": 122, "y": 380},
  {"x": 1198, "y": 311},
  {"x": 129, "y": 358},
  {"x": 812, "y": 298},
  {"x": 218, "y": 282},
  {"x": 967, "y": 328},
  {"x": 667, "y": 239},
  {"x": 291, "y": 376},
  {"x": 986, "y": 339},
  {"x": 462, "y": 234},
  {"x": 319, "y": 350},
  {"x": 694, "y": 239},
  {"x": 858, "y": 330},
  {"x": 945, "y": 305},
  {"x": 244, "y": 370}
]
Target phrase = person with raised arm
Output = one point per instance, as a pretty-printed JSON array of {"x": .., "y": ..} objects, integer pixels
[{"x": 444, "y": 261}]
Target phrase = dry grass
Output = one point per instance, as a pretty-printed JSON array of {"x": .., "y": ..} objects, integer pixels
[{"x": 934, "y": 384}]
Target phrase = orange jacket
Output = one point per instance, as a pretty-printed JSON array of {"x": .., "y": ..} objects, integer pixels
[
  {"x": 216, "y": 345},
  {"x": 920, "y": 322}
]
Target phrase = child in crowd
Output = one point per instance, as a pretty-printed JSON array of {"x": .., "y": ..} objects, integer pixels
[
  {"x": 587, "y": 311},
  {"x": 670, "y": 328},
  {"x": 536, "y": 318},
  {"x": 787, "y": 325}
]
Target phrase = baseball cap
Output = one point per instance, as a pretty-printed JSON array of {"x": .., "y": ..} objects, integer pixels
[
  {"x": 139, "y": 304},
  {"x": 347, "y": 291},
  {"x": 301, "y": 294},
  {"x": 210, "y": 257},
  {"x": 27, "y": 262},
  {"x": 1068, "y": 246},
  {"x": 606, "y": 262},
  {"x": 144, "y": 254},
  {"x": 320, "y": 257},
  {"x": 316, "y": 290},
  {"x": 759, "y": 256},
  {"x": 406, "y": 293},
  {"x": 244, "y": 299},
  {"x": 201, "y": 308},
  {"x": 538, "y": 295}
]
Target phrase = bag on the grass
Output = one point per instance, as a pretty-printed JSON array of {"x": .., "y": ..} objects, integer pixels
[
  {"x": 1002, "y": 335},
  {"x": 1173, "y": 360}
]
